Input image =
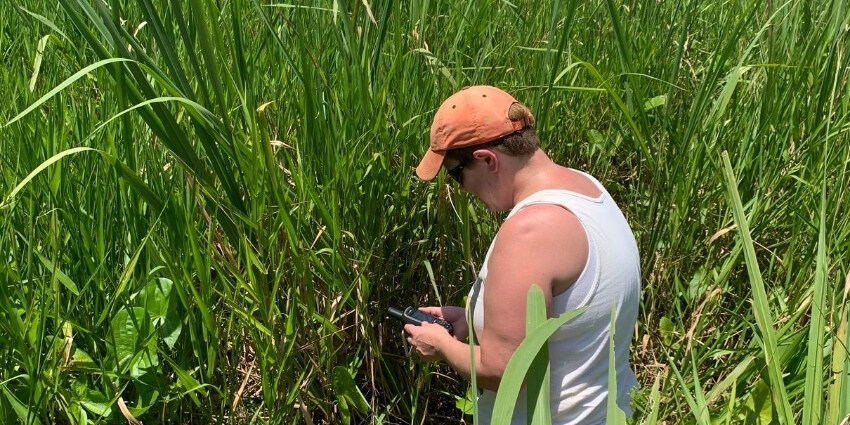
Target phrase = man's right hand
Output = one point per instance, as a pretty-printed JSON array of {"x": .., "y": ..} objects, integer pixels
[{"x": 454, "y": 315}]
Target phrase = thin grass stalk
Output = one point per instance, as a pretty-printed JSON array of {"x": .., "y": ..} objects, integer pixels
[
  {"x": 473, "y": 377},
  {"x": 563, "y": 40},
  {"x": 699, "y": 413},
  {"x": 813, "y": 395},
  {"x": 677, "y": 64},
  {"x": 761, "y": 306},
  {"x": 655, "y": 398},
  {"x": 634, "y": 93}
]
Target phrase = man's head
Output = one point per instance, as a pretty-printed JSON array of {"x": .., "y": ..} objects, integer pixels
[{"x": 474, "y": 118}]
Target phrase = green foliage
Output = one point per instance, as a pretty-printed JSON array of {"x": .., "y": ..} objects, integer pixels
[
  {"x": 206, "y": 207},
  {"x": 537, "y": 377},
  {"x": 613, "y": 413},
  {"x": 760, "y": 303},
  {"x": 527, "y": 357},
  {"x": 347, "y": 394}
]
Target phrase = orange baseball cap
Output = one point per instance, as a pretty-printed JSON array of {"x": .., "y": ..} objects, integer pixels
[{"x": 472, "y": 116}]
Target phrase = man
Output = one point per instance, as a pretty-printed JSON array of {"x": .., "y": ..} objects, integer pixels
[{"x": 564, "y": 233}]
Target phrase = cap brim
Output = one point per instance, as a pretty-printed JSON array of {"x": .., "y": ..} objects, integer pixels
[{"x": 430, "y": 165}]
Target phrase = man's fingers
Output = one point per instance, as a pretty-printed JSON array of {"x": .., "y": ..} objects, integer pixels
[
  {"x": 435, "y": 311},
  {"x": 436, "y": 326}
]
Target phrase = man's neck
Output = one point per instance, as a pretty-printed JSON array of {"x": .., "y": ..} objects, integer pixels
[{"x": 530, "y": 175}]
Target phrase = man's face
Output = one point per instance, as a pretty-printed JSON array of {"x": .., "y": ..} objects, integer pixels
[
  {"x": 454, "y": 168},
  {"x": 476, "y": 174}
]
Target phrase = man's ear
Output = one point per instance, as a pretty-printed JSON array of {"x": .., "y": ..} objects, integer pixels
[{"x": 488, "y": 157}]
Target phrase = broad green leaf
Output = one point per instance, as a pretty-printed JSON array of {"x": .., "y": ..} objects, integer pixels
[
  {"x": 537, "y": 378},
  {"x": 344, "y": 411},
  {"x": 133, "y": 349},
  {"x": 55, "y": 179},
  {"x": 33, "y": 327},
  {"x": 665, "y": 326},
  {"x": 758, "y": 406},
  {"x": 614, "y": 415},
  {"x": 92, "y": 400},
  {"x": 81, "y": 359},
  {"x": 22, "y": 411},
  {"x": 190, "y": 384},
  {"x": 696, "y": 287},
  {"x": 171, "y": 327},
  {"x": 125, "y": 333},
  {"x": 465, "y": 403},
  {"x": 146, "y": 399},
  {"x": 77, "y": 411},
  {"x": 97, "y": 404},
  {"x": 596, "y": 138},
  {"x": 655, "y": 102},
  {"x": 517, "y": 367},
  {"x": 155, "y": 298},
  {"x": 346, "y": 390}
]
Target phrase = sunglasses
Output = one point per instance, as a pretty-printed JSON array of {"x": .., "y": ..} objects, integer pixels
[{"x": 456, "y": 172}]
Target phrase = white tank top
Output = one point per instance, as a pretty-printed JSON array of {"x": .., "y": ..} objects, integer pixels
[{"x": 578, "y": 350}]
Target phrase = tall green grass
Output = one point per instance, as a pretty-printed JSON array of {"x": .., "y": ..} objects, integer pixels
[{"x": 207, "y": 224}]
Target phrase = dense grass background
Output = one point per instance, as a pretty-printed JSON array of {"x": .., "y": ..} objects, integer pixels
[{"x": 227, "y": 247}]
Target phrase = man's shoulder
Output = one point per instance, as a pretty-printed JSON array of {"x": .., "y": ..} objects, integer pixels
[
  {"x": 541, "y": 226},
  {"x": 541, "y": 218},
  {"x": 548, "y": 241}
]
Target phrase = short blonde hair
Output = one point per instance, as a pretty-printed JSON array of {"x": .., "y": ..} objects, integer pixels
[{"x": 525, "y": 141}]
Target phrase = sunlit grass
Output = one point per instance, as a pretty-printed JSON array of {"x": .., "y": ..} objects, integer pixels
[{"x": 247, "y": 211}]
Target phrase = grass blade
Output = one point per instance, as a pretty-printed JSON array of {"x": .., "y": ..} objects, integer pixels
[
  {"x": 518, "y": 365},
  {"x": 538, "y": 379},
  {"x": 761, "y": 307},
  {"x": 70, "y": 80},
  {"x": 813, "y": 395},
  {"x": 689, "y": 398},
  {"x": 655, "y": 398},
  {"x": 62, "y": 277},
  {"x": 614, "y": 415},
  {"x": 839, "y": 391},
  {"x": 50, "y": 161}
]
